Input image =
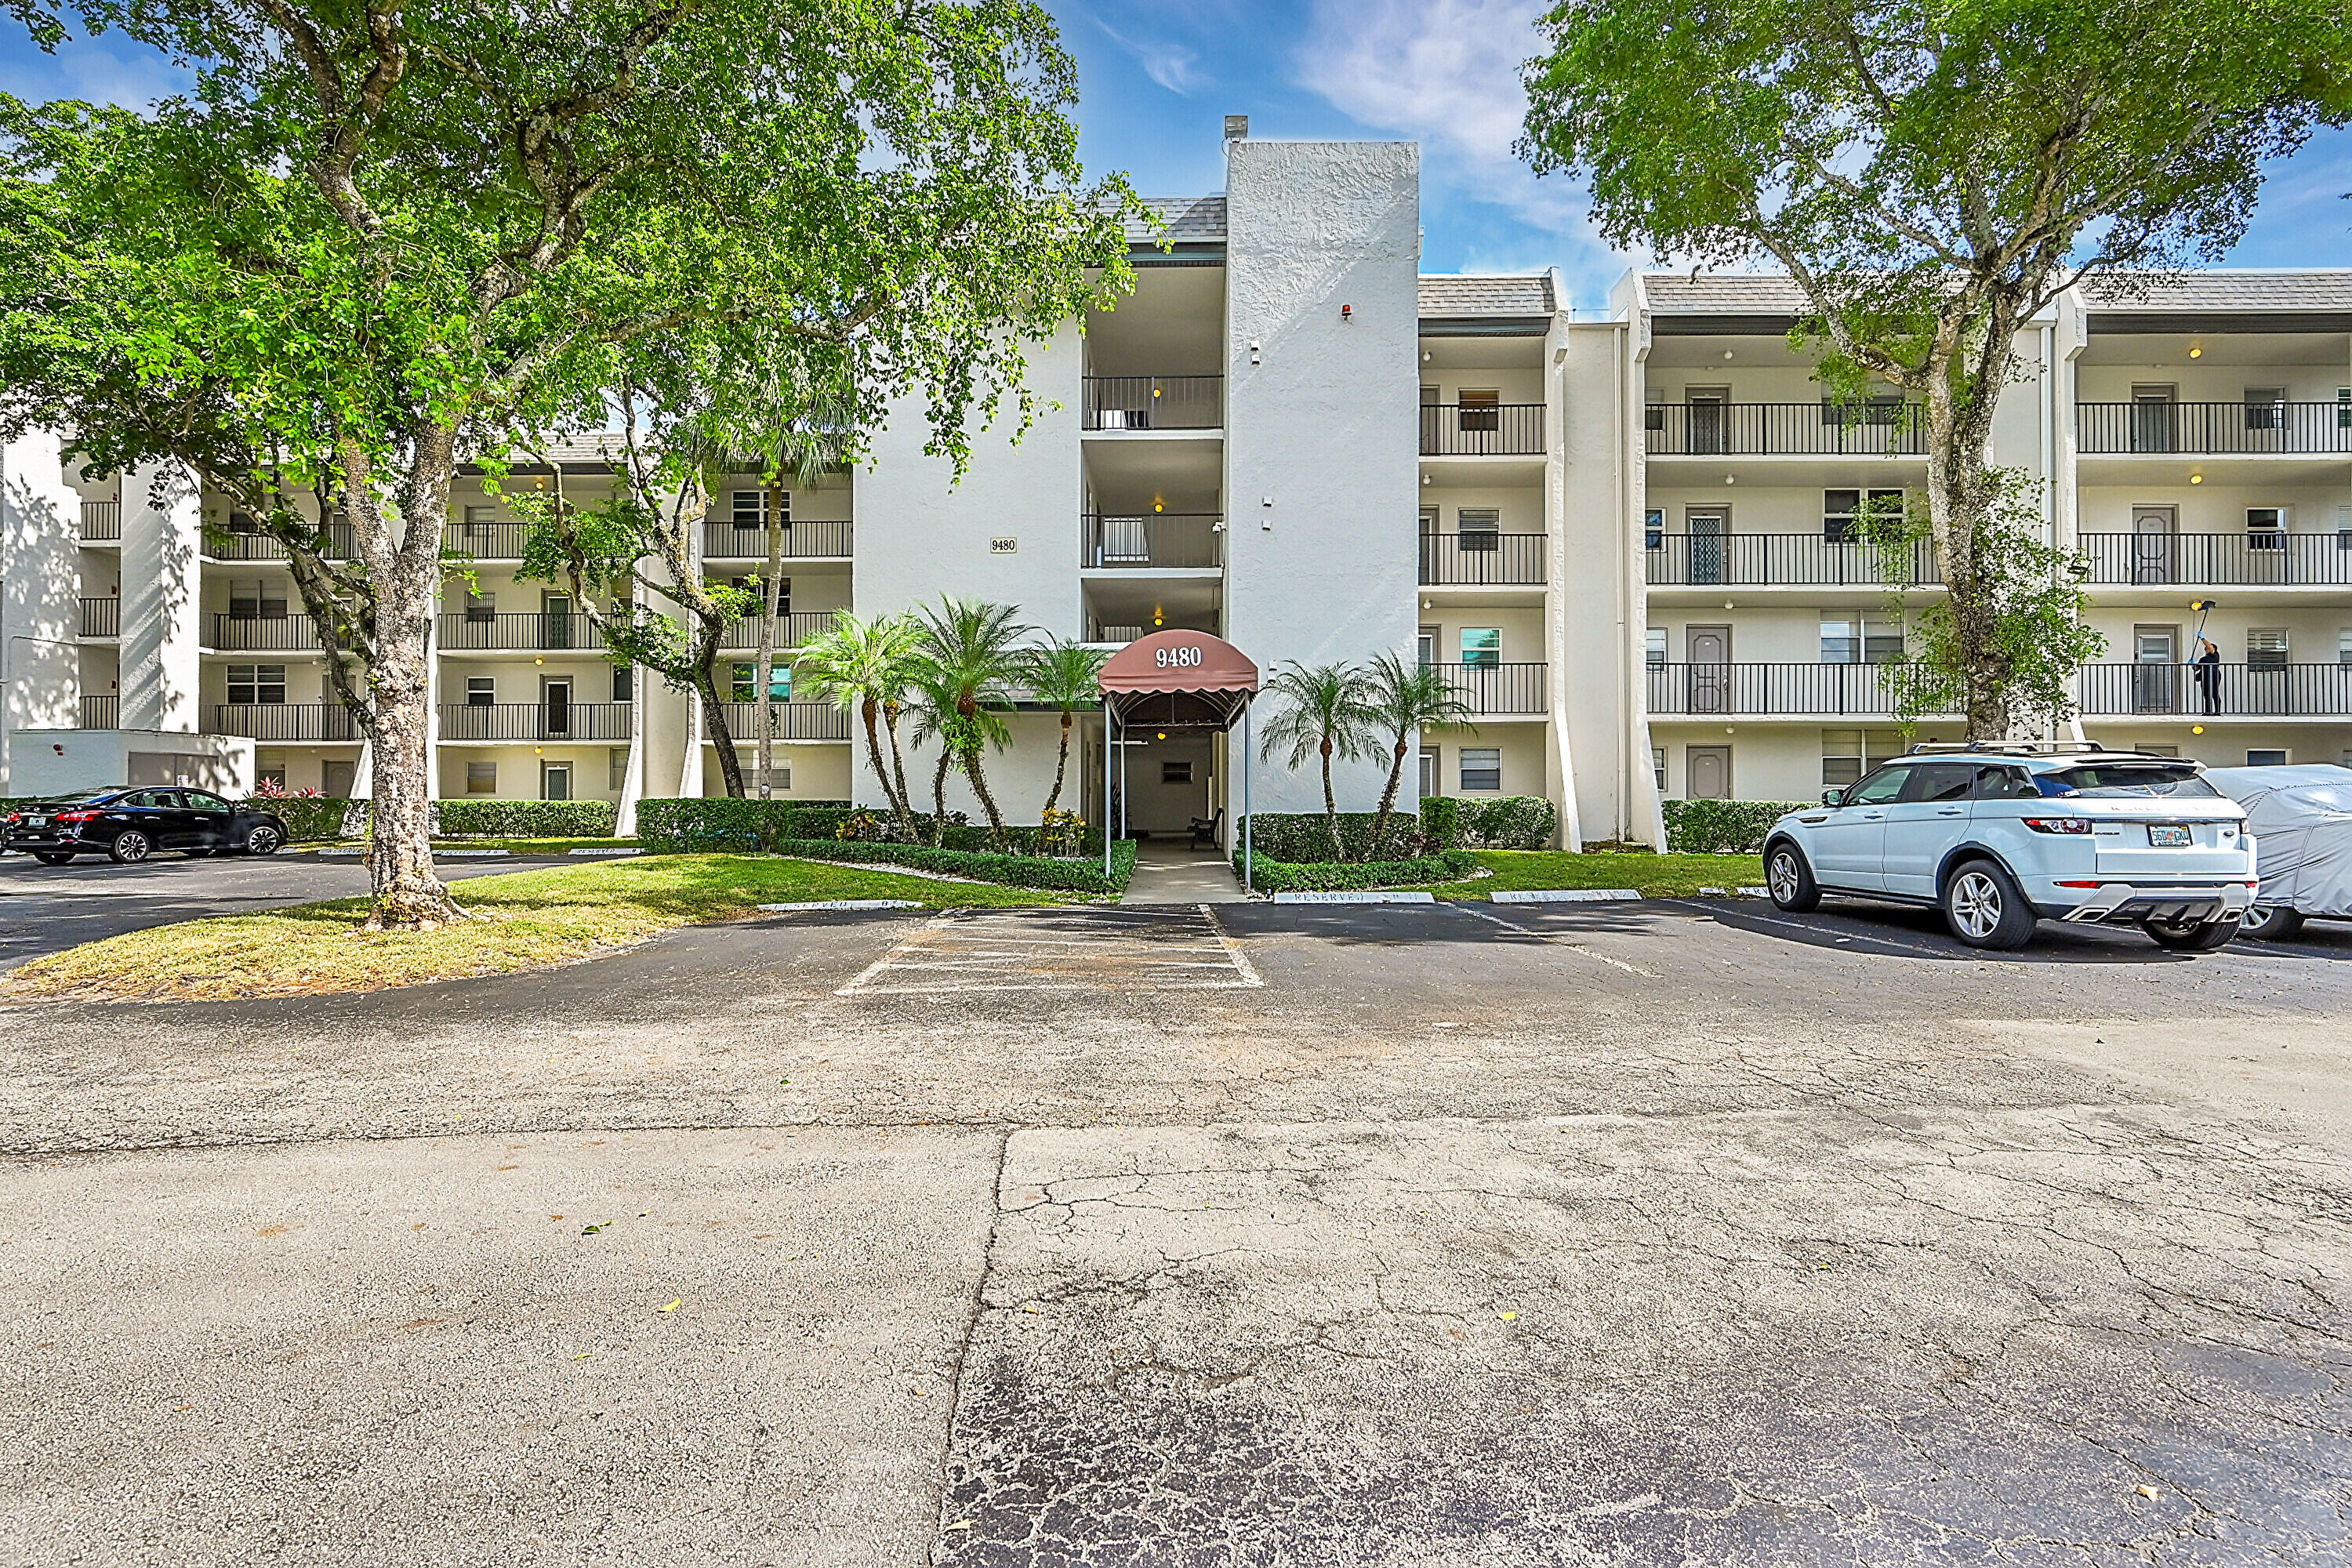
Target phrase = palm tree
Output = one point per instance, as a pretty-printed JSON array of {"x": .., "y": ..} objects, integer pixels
[
  {"x": 1322, "y": 712},
  {"x": 1066, "y": 676},
  {"x": 974, "y": 656},
  {"x": 1399, "y": 698},
  {"x": 930, "y": 702},
  {"x": 868, "y": 666}
]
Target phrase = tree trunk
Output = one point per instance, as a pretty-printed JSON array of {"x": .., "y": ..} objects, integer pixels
[
  {"x": 714, "y": 725},
  {"x": 987, "y": 801},
  {"x": 867, "y": 711},
  {"x": 1388, "y": 802},
  {"x": 940, "y": 795},
  {"x": 1970, "y": 366},
  {"x": 1331, "y": 807},
  {"x": 770, "y": 587},
  {"x": 890, "y": 712},
  {"x": 1061, "y": 766}
]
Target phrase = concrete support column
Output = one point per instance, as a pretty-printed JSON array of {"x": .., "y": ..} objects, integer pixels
[
  {"x": 40, "y": 566},
  {"x": 162, "y": 593}
]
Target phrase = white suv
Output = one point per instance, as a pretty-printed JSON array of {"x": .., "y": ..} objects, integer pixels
[{"x": 1997, "y": 836}]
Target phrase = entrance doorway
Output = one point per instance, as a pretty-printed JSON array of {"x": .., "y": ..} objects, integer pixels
[
  {"x": 2154, "y": 545},
  {"x": 2156, "y": 680},
  {"x": 1709, "y": 649},
  {"x": 1708, "y": 528},
  {"x": 1708, "y": 772}
]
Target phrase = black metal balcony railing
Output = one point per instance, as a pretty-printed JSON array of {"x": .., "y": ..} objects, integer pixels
[
  {"x": 824, "y": 541},
  {"x": 1473, "y": 558},
  {"x": 535, "y": 721},
  {"x": 1808, "y": 560},
  {"x": 2227, "y": 690},
  {"x": 787, "y": 722},
  {"x": 1482, "y": 430},
  {"x": 463, "y": 631},
  {"x": 101, "y": 617},
  {"x": 336, "y": 541},
  {"x": 1831, "y": 690},
  {"x": 792, "y": 630},
  {"x": 2213, "y": 428},
  {"x": 486, "y": 540},
  {"x": 1163, "y": 539},
  {"x": 1155, "y": 402},
  {"x": 2252, "y": 557},
  {"x": 101, "y": 521},
  {"x": 1497, "y": 689},
  {"x": 1784, "y": 429},
  {"x": 284, "y": 722},
  {"x": 265, "y": 633},
  {"x": 102, "y": 712}
]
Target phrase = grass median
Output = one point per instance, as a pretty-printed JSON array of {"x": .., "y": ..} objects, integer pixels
[
  {"x": 1653, "y": 875},
  {"x": 522, "y": 920}
]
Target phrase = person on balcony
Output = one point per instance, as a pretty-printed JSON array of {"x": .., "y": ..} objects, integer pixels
[{"x": 2209, "y": 676}]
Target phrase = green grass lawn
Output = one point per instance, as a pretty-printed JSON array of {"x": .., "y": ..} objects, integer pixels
[
  {"x": 519, "y": 845},
  {"x": 1658, "y": 876},
  {"x": 522, "y": 921}
]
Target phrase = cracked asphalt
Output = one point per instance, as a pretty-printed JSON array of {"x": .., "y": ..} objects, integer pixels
[{"x": 1678, "y": 1233}]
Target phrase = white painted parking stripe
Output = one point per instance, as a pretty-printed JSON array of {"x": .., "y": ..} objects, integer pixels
[
  {"x": 1064, "y": 950},
  {"x": 1555, "y": 940}
]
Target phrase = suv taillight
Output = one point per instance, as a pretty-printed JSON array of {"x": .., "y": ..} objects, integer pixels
[{"x": 2059, "y": 824}]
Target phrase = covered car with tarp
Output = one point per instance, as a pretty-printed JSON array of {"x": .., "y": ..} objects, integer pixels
[{"x": 2301, "y": 817}]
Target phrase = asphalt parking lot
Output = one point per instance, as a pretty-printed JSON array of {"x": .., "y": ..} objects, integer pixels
[{"x": 1678, "y": 1232}]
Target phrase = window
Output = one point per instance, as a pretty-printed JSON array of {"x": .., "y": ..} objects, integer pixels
[
  {"x": 1996, "y": 782},
  {"x": 481, "y": 778},
  {"x": 479, "y": 520},
  {"x": 1482, "y": 768},
  {"x": 1428, "y": 780},
  {"x": 1175, "y": 772},
  {"x": 2159, "y": 751},
  {"x": 1427, "y": 644},
  {"x": 1482, "y": 646},
  {"x": 1844, "y": 511},
  {"x": 749, "y": 509},
  {"x": 250, "y": 684},
  {"x": 1934, "y": 783},
  {"x": 1481, "y": 527},
  {"x": 2266, "y": 757},
  {"x": 1653, "y": 416},
  {"x": 2266, "y": 648},
  {"x": 1878, "y": 789},
  {"x": 1658, "y": 768},
  {"x": 1847, "y": 754},
  {"x": 2343, "y": 647},
  {"x": 1861, "y": 641},
  {"x": 555, "y": 782},
  {"x": 2265, "y": 528},
  {"x": 481, "y": 690},
  {"x": 481, "y": 609},
  {"x": 199, "y": 801},
  {"x": 746, "y": 684},
  {"x": 2265, "y": 407},
  {"x": 624, "y": 683},
  {"x": 616, "y": 769},
  {"x": 1657, "y": 647},
  {"x": 1481, "y": 410},
  {"x": 256, "y": 599},
  {"x": 1879, "y": 409}
]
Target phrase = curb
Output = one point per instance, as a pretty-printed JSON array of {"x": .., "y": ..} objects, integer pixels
[
  {"x": 1370, "y": 897},
  {"x": 1564, "y": 896},
  {"x": 840, "y": 904}
]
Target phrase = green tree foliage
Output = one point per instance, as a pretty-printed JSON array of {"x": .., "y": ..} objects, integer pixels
[
  {"x": 868, "y": 666},
  {"x": 1320, "y": 711},
  {"x": 973, "y": 660},
  {"x": 1065, "y": 677},
  {"x": 1400, "y": 698},
  {"x": 1932, "y": 176},
  {"x": 382, "y": 235}
]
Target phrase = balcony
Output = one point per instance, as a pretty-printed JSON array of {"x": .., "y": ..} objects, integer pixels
[
  {"x": 265, "y": 633},
  {"x": 101, "y": 523},
  {"x": 336, "y": 541},
  {"x": 2233, "y": 690},
  {"x": 1877, "y": 429},
  {"x": 1476, "y": 559},
  {"x": 1154, "y": 402},
  {"x": 1828, "y": 691},
  {"x": 535, "y": 721},
  {"x": 1779, "y": 560},
  {"x": 101, "y": 617},
  {"x": 1165, "y": 542},
  {"x": 827, "y": 541},
  {"x": 485, "y": 541},
  {"x": 559, "y": 631},
  {"x": 1482, "y": 430},
  {"x": 787, "y": 722},
  {"x": 284, "y": 722},
  {"x": 102, "y": 712},
  {"x": 1497, "y": 690},
  {"x": 792, "y": 630},
  {"x": 2212, "y": 429},
  {"x": 2250, "y": 557}
]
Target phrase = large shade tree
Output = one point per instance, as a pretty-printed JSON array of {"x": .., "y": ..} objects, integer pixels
[
  {"x": 1932, "y": 175},
  {"x": 381, "y": 236}
]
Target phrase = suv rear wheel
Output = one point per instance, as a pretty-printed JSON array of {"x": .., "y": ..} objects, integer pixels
[
  {"x": 1984, "y": 907},
  {"x": 2190, "y": 936},
  {"x": 2270, "y": 923},
  {"x": 1790, "y": 880}
]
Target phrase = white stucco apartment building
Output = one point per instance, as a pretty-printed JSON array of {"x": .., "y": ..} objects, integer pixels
[{"x": 1622, "y": 528}]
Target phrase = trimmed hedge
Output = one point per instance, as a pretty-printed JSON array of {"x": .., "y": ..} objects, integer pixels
[
  {"x": 1507, "y": 822},
  {"x": 1010, "y": 870},
  {"x": 308, "y": 818},
  {"x": 1303, "y": 838},
  {"x": 527, "y": 819},
  {"x": 1722, "y": 827},
  {"x": 1441, "y": 823},
  {"x": 1323, "y": 876},
  {"x": 720, "y": 822}
]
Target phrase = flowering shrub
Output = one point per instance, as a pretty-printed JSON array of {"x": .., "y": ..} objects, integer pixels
[
  {"x": 271, "y": 789},
  {"x": 1062, "y": 833}
]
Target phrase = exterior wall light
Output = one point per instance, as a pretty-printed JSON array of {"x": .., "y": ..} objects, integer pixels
[
  {"x": 2196, "y": 729},
  {"x": 2196, "y": 479},
  {"x": 2196, "y": 351},
  {"x": 1347, "y": 312}
]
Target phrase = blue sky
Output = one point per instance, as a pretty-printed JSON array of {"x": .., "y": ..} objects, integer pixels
[{"x": 1159, "y": 76}]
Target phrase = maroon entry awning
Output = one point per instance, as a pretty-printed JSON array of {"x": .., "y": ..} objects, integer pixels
[{"x": 1181, "y": 677}]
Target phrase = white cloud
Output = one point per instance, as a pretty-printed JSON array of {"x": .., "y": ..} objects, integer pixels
[
  {"x": 1170, "y": 65},
  {"x": 110, "y": 69}
]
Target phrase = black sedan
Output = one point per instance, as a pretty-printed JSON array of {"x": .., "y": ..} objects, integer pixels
[{"x": 128, "y": 825}]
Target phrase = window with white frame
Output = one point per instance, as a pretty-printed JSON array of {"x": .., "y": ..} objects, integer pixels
[
  {"x": 1658, "y": 767},
  {"x": 616, "y": 769},
  {"x": 1428, "y": 780},
  {"x": 481, "y": 609},
  {"x": 748, "y": 509},
  {"x": 1653, "y": 523},
  {"x": 1847, "y": 754},
  {"x": 2266, "y": 648},
  {"x": 1656, "y": 647},
  {"x": 2265, "y": 528},
  {"x": 1481, "y": 527},
  {"x": 1482, "y": 768},
  {"x": 745, "y": 683},
  {"x": 1860, "y": 640},
  {"x": 2265, "y": 407},
  {"x": 2344, "y": 645},
  {"x": 481, "y": 778},
  {"x": 1842, "y": 513},
  {"x": 1482, "y": 646},
  {"x": 625, "y": 683},
  {"x": 481, "y": 690},
  {"x": 254, "y": 684}
]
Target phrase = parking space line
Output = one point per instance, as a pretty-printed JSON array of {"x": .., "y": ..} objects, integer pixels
[
  {"x": 1852, "y": 938},
  {"x": 957, "y": 951},
  {"x": 1555, "y": 940}
]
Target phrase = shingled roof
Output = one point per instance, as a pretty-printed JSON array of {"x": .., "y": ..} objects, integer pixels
[
  {"x": 2310, "y": 289},
  {"x": 1189, "y": 220},
  {"x": 1722, "y": 294},
  {"x": 1469, "y": 295}
]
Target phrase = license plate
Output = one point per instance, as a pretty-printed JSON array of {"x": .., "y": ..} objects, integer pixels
[
  {"x": 36, "y": 822},
  {"x": 2170, "y": 838}
]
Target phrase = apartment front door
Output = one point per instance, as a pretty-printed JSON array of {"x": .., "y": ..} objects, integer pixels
[
  {"x": 1708, "y": 528},
  {"x": 1708, "y": 772},
  {"x": 335, "y": 779},
  {"x": 555, "y": 621},
  {"x": 1710, "y": 673},
  {"x": 2154, "y": 545},
  {"x": 555, "y": 706},
  {"x": 2152, "y": 419},
  {"x": 2156, "y": 680},
  {"x": 1707, "y": 409}
]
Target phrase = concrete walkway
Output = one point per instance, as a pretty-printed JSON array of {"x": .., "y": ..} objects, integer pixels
[{"x": 1168, "y": 872}]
